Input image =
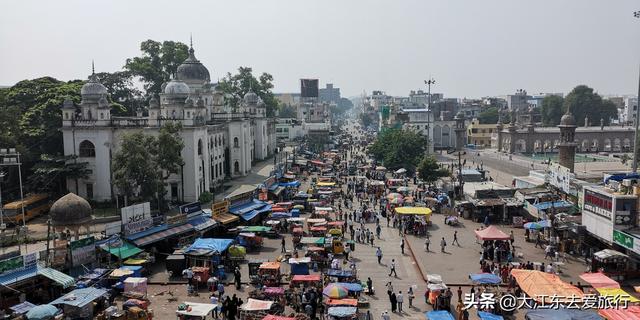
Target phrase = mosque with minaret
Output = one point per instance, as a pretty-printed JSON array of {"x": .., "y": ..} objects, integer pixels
[{"x": 219, "y": 142}]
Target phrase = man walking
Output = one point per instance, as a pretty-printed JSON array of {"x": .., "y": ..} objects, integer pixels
[
  {"x": 392, "y": 268},
  {"x": 455, "y": 238},
  {"x": 379, "y": 254},
  {"x": 399, "y": 300},
  {"x": 282, "y": 244},
  {"x": 402, "y": 245},
  {"x": 443, "y": 244},
  {"x": 427, "y": 242}
]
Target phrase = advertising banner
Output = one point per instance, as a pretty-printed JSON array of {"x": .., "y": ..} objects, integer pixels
[{"x": 83, "y": 251}]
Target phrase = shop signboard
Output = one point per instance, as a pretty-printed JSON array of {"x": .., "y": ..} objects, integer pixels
[
  {"x": 136, "y": 218},
  {"x": 219, "y": 208},
  {"x": 59, "y": 252},
  {"x": 560, "y": 177},
  {"x": 83, "y": 251},
  {"x": 626, "y": 240},
  {"x": 112, "y": 228},
  {"x": 30, "y": 259},
  {"x": 598, "y": 204},
  {"x": 137, "y": 226},
  {"x": 11, "y": 265},
  {"x": 177, "y": 220}
]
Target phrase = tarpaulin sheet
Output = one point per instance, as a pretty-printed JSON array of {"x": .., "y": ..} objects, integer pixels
[
  {"x": 438, "y": 315},
  {"x": 270, "y": 265},
  {"x": 562, "y": 314},
  {"x": 256, "y": 229},
  {"x": 290, "y": 184},
  {"x": 342, "y": 302},
  {"x": 485, "y": 278},
  {"x": 202, "y": 223},
  {"x": 342, "y": 311},
  {"x": 299, "y": 260},
  {"x": 306, "y": 277},
  {"x": 312, "y": 240},
  {"x": 538, "y": 285},
  {"x": 350, "y": 286},
  {"x": 274, "y": 290},
  {"x": 599, "y": 280},
  {"x": 197, "y": 309},
  {"x": 631, "y": 313},
  {"x": 491, "y": 233},
  {"x": 247, "y": 207},
  {"x": 80, "y": 297},
  {"x": 163, "y": 235},
  {"x": 489, "y": 316},
  {"x": 420, "y": 211},
  {"x": 616, "y": 295},
  {"x": 219, "y": 245},
  {"x": 339, "y": 273},
  {"x": 256, "y": 305},
  {"x": 272, "y": 317},
  {"x": 280, "y": 215}
]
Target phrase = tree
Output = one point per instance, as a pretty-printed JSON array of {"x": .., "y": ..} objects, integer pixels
[
  {"x": 429, "y": 171},
  {"x": 551, "y": 110},
  {"x": 157, "y": 64},
  {"x": 51, "y": 172},
  {"x": 489, "y": 116},
  {"x": 168, "y": 151},
  {"x": 584, "y": 102},
  {"x": 237, "y": 85},
  {"x": 125, "y": 97},
  {"x": 399, "y": 148}
]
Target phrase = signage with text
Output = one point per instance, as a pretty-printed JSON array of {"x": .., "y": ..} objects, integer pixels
[
  {"x": 137, "y": 226},
  {"x": 219, "y": 208},
  {"x": 598, "y": 204},
  {"x": 626, "y": 240},
  {"x": 135, "y": 212},
  {"x": 190, "y": 208},
  {"x": 177, "y": 220},
  {"x": 83, "y": 251}
]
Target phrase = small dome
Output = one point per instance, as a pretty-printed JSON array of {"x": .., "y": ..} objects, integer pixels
[
  {"x": 70, "y": 210},
  {"x": 93, "y": 87},
  {"x": 251, "y": 97},
  {"x": 153, "y": 103},
  {"x": 191, "y": 69},
  {"x": 176, "y": 87},
  {"x": 68, "y": 103},
  {"x": 568, "y": 120}
]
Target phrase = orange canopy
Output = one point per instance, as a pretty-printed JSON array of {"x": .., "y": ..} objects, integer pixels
[
  {"x": 306, "y": 277},
  {"x": 342, "y": 302},
  {"x": 599, "y": 280},
  {"x": 273, "y": 265},
  {"x": 491, "y": 233},
  {"x": 539, "y": 285},
  {"x": 630, "y": 313}
]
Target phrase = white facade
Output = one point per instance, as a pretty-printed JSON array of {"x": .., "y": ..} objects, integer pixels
[
  {"x": 420, "y": 120},
  {"x": 217, "y": 143},
  {"x": 603, "y": 211}
]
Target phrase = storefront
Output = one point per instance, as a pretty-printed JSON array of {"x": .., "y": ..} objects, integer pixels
[
  {"x": 245, "y": 206},
  {"x": 603, "y": 211}
]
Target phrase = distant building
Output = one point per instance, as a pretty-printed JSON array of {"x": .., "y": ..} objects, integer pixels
[
  {"x": 289, "y": 99},
  {"x": 419, "y": 120},
  {"x": 329, "y": 94},
  {"x": 627, "y": 113},
  {"x": 518, "y": 101},
  {"x": 480, "y": 134}
]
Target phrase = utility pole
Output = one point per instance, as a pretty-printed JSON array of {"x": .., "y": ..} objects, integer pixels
[
  {"x": 460, "y": 182},
  {"x": 637, "y": 120},
  {"x": 429, "y": 83}
]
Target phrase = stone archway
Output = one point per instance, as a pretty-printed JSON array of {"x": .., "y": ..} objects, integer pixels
[
  {"x": 521, "y": 146},
  {"x": 537, "y": 146},
  {"x": 586, "y": 146},
  {"x": 607, "y": 145},
  {"x": 595, "y": 144},
  {"x": 617, "y": 145}
]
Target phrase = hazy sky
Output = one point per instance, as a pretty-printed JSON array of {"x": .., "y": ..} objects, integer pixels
[{"x": 472, "y": 48}]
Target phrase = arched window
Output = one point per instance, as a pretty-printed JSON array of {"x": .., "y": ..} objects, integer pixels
[
  {"x": 199, "y": 147},
  {"x": 87, "y": 149},
  {"x": 236, "y": 167},
  {"x": 235, "y": 142}
]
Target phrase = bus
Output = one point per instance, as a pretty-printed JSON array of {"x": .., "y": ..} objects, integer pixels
[{"x": 34, "y": 205}]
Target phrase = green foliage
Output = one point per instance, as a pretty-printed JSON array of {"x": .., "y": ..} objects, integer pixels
[
  {"x": 157, "y": 64},
  {"x": 144, "y": 162},
  {"x": 583, "y": 102},
  {"x": 125, "y": 97},
  {"x": 489, "y": 116},
  {"x": 51, "y": 172},
  {"x": 551, "y": 110},
  {"x": 429, "y": 171},
  {"x": 205, "y": 197},
  {"x": 237, "y": 85},
  {"x": 399, "y": 148}
]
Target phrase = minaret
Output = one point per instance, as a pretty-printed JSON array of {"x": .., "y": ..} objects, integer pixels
[
  {"x": 567, "y": 146},
  {"x": 460, "y": 130},
  {"x": 499, "y": 128}
]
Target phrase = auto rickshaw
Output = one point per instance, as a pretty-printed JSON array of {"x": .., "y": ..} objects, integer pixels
[
  {"x": 318, "y": 255},
  {"x": 297, "y": 233},
  {"x": 269, "y": 273},
  {"x": 335, "y": 232},
  {"x": 249, "y": 240},
  {"x": 334, "y": 245},
  {"x": 318, "y": 231},
  {"x": 237, "y": 253},
  {"x": 253, "y": 266}
]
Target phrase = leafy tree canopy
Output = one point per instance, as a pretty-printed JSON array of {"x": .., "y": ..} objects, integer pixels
[
  {"x": 584, "y": 102},
  {"x": 429, "y": 171},
  {"x": 398, "y": 148},
  {"x": 237, "y": 85},
  {"x": 51, "y": 173},
  {"x": 489, "y": 116},
  {"x": 551, "y": 110},
  {"x": 125, "y": 97},
  {"x": 157, "y": 64}
]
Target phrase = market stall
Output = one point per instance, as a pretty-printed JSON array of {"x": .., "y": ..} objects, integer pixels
[
  {"x": 194, "y": 310},
  {"x": 491, "y": 233},
  {"x": 564, "y": 314},
  {"x": 538, "y": 284},
  {"x": 299, "y": 265},
  {"x": 82, "y": 303},
  {"x": 438, "y": 315}
]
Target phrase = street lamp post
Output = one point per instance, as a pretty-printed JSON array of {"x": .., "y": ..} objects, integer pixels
[
  {"x": 429, "y": 83},
  {"x": 635, "y": 137}
]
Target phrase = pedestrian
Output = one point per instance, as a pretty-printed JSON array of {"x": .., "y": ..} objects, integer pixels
[
  {"x": 238, "y": 278},
  {"x": 214, "y": 301},
  {"x": 392, "y": 268},
  {"x": 347, "y": 250},
  {"x": 220, "y": 290},
  {"x": 427, "y": 242},
  {"x": 370, "y": 285},
  {"x": 379, "y": 255},
  {"x": 459, "y": 294},
  {"x": 385, "y": 315},
  {"x": 282, "y": 243},
  {"x": 538, "y": 240},
  {"x": 399, "y": 300},
  {"x": 402, "y": 245},
  {"x": 443, "y": 245},
  {"x": 511, "y": 238},
  {"x": 389, "y": 288},
  {"x": 394, "y": 301},
  {"x": 378, "y": 231},
  {"x": 455, "y": 238},
  {"x": 548, "y": 252},
  {"x": 410, "y": 296}
]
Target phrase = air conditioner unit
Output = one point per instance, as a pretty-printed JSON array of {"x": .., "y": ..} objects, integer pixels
[{"x": 629, "y": 182}]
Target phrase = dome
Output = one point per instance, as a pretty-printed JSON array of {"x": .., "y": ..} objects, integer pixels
[
  {"x": 153, "y": 103},
  {"x": 93, "y": 87},
  {"x": 191, "y": 69},
  {"x": 251, "y": 97},
  {"x": 70, "y": 210},
  {"x": 68, "y": 103},
  {"x": 103, "y": 102},
  {"x": 176, "y": 87},
  {"x": 568, "y": 120}
]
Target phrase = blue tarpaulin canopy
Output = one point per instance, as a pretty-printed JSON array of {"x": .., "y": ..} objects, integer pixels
[
  {"x": 339, "y": 273},
  {"x": 210, "y": 244},
  {"x": 549, "y": 204},
  {"x": 351, "y": 286},
  {"x": 247, "y": 207},
  {"x": 202, "y": 223},
  {"x": 294, "y": 184},
  {"x": 45, "y": 311},
  {"x": 342, "y": 311},
  {"x": 485, "y": 278},
  {"x": 438, "y": 315},
  {"x": 253, "y": 213},
  {"x": 489, "y": 316},
  {"x": 280, "y": 215},
  {"x": 80, "y": 297},
  {"x": 62, "y": 279},
  {"x": 562, "y": 314}
]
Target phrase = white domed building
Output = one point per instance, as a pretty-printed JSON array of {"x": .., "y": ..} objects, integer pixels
[{"x": 219, "y": 142}]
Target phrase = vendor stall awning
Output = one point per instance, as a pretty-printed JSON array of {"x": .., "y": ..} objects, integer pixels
[
  {"x": 422, "y": 211},
  {"x": 80, "y": 297},
  {"x": 491, "y": 233},
  {"x": 306, "y": 277},
  {"x": 277, "y": 191},
  {"x": 54, "y": 275},
  {"x": 616, "y": 295},
  {"x": 256, "y": 305},
  {"x": 293, "y": 184},
  {"x": 163, "y": 235},
  {"x": 571, "y": 314},
  {"x": 630, "y": 313},
  {"x": 125, "y": 251},
  {"x": 438, "y": 315},
  {"x": 225, "y": 218},
  {"x": 210, "y": 244},
  {"x": 342, "y": 302},
  {"x": 197, "y": 309},
  {"x": 326, "y": 184},
  {"x": 202, "y": 223},
  {"x": 538, "y": 284},
  {"x": 599, "y": 280},
  {"x": 247, "y": 207}
]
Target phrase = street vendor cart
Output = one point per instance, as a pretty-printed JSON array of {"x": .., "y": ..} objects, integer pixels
[
  {"x": 269, "y": 273},
  {"x": 249, "y": 240},
  {"x": 255, "y": 309},
  {"x": 194, "y": 310},
  {"x": 299, "y": 265}
]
